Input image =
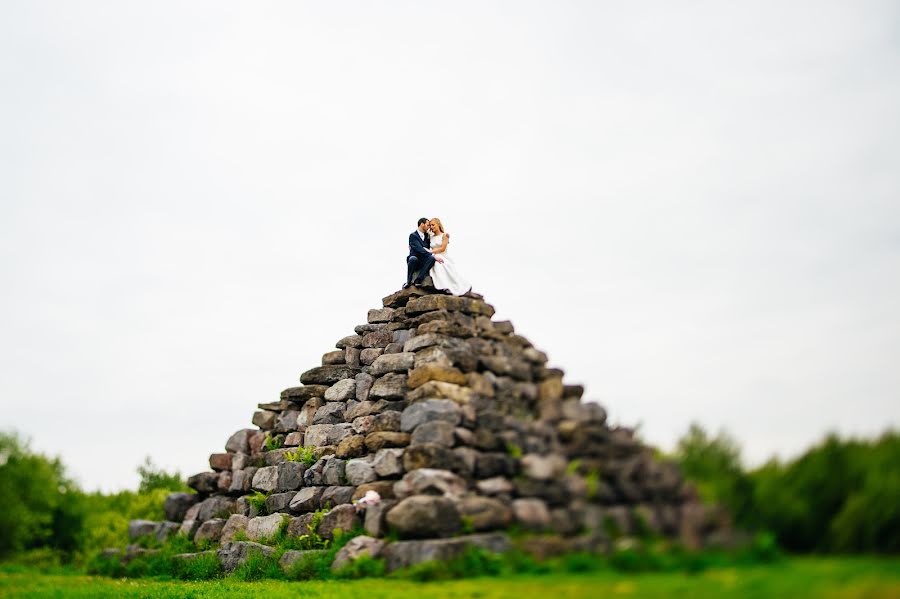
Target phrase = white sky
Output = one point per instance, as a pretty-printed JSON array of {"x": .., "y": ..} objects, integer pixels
[{"x": 693, "y": 208}]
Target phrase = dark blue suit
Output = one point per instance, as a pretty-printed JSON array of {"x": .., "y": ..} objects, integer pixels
[{"x": 419, "y": 259}]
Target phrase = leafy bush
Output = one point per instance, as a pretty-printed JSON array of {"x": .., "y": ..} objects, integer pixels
[
  {"x": 305, "y": 455},
  {"x": 41, "y": 507},
  {"x": 257, "y": 567},
  {"x": 842, "y": 495}
]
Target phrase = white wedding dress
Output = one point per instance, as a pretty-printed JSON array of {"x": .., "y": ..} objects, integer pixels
[{"x": 445, "y": 276}]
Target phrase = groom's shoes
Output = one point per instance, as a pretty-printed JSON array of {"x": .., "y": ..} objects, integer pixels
[{"x": 406, "y": 286}]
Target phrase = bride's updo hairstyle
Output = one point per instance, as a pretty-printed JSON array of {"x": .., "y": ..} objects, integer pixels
[{"x": 437, "y": 221}]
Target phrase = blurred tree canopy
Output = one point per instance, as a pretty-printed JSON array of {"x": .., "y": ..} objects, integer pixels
[
  {"x": 43, "y": 509},
  {"x": 842, "y": 495},
  {"x": 39, "y": 506}
]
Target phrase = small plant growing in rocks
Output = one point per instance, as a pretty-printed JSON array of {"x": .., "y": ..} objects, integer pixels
[{"x": 258, "y": 502}]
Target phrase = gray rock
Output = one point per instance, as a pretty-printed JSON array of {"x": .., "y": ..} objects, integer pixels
[
  {"x": 236, "y": 523},
  {"x": 425, "y": 516},
  {"x": 233, "y": 554},
  {"x": 286, "y": 476},
  {"x": 393, "y": 363},
  {"x": 291, "y": 557},
  {"x": 349, "y": 341},
  {"x": 429, "y": 410},
  {"x": 364, "y": 382},
  {"x": 414, "y": 344},
  {"x": 279, "y": 502},
  {"x": 239, "y": 461},
  {"x": 429, "y": 481},
  {"x": 389, "y": 386},
  {"x": 308, "y": 412},
  {"x": 402, "y": 336},
  {"x": 387, "y": 421},
  {"x": 220, "y": 461},
  {"x": 307, "y": 499},
  {"x": 142, "y": 528},
  {"x": 403, "y": 554},
  {"x": 442, "y": 433},
  {"x": 546, "y": 467},
  {"x": 363, "y": 424},
  {"x": 331, "y": 413},
  {"x": 264, "y": 420},
  {"x": 224, "y": 482},
  {"x": 388, "y": 462},
  {"x": 531, "y": 514},
  {"x": 333, "y": 357},
  {"x": 189, "y": 527},
  {"x": 485, "y": 513},
  {"x": 360, "y": 471},
  {"x": 287, "y": 421},
  {"x": 211, "y": 530},
  {"x": 351, "y": 357},
  {"x": 393, "y": 348},
  {"x": 378, "y": 440},
  {"x": 491, "y": 464},
  {"x": 466, "y": 459},
  {"x": 239, "y": 442},
  {"x": 328, "y": 375},
  {"x": 342, "y": 390},
  {"x": 337, "y": 495},
  {"x": 300, "y": 395},
  {"x": 204, "y": 482},
  {"x": 242, "y": 480},
  {"x": 356, "y": 548},
  {"x": 295, "y": 438},
  {"x": 380, "y": 315},
  {"x": 300, "y": 525},
  {"x": 377, "y": 338},
  {"x": 177, "y": 504},
  {"x": 369, "y": 355},
  {"x": 334, "y": 472},
  {"x": 320, "y": 435},
  {"x": 274, "y": 457},
  {"x": 315, "y": 474},
  {"x": 359, "y": 409},
  {"x": 343, "y": 517},
  {"x": 214, "y": 507},
  {"x": 264, "y": 527},
  {"x": 431, "y": 455},
  {"x": 494, "y": 486},
  {"x": 351, "y": 447},
  {"x": 375, "y": 522}
]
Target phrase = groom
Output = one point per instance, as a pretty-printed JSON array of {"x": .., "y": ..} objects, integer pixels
[{"x": 420, "y": 258}]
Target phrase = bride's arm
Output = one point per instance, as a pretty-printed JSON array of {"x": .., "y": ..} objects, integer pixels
[{"x": 443, "y": 247}]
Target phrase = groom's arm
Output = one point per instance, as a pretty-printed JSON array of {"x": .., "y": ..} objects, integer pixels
[{"x": 416, "y": 245}]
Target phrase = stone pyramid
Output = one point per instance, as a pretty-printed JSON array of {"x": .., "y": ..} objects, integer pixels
[{"x": 459, "y": 426}]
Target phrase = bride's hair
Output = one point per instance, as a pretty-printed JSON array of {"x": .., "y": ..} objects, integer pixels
[{"x": 437, "y": 221}]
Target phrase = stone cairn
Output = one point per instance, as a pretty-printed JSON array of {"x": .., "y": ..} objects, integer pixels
[{"x": 462, "y": 430}]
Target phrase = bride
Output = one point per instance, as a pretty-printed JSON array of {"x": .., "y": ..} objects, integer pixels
[{"x": 444, "y": 274}]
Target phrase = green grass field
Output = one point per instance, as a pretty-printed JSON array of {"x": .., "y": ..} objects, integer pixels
[{"x": 794, "y": 577}]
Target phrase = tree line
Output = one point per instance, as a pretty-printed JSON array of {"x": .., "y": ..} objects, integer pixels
[{"x": 840, "y": 496}]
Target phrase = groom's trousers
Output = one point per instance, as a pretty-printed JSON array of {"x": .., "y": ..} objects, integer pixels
[{"x": 422, "y": 264}]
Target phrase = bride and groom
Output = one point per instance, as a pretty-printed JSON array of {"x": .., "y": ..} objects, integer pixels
[{"x": 428, "y": 256}]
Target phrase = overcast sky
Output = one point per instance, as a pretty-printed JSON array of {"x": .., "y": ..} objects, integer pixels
[{"x": 693, "y": 208}]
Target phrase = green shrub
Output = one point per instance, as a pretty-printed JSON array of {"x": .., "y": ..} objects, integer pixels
[
  {"x": 258, "y": 502},
  {"x": 306, "y": 455},
  {"x": 272, "y": 443},
  {"x": 205, "y": 566},
  {"x": 258, "y": 566},
  {"x": 363, "y": 567}
]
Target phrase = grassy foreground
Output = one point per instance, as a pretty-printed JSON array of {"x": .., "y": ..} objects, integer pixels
[{"x": 832, "y": 578}]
